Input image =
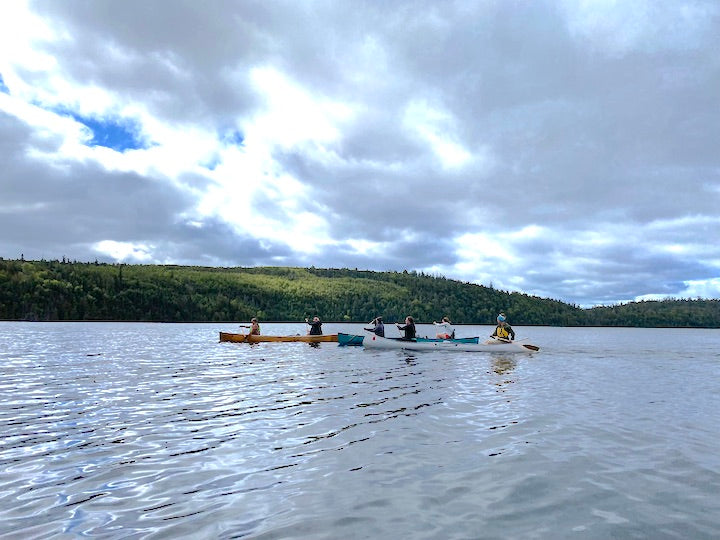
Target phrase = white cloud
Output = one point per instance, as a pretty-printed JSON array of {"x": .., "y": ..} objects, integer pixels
[
  {"x": 19, "y": 30},
  {"x": 291, "y": 116},
  {"x": 437, "y": 128},
  {"x": 706, "y": 288},
  {"x": 125, "y": 251}
]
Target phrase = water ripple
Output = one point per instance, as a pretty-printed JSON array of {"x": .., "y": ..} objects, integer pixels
[{"x": 134, "y": 430}]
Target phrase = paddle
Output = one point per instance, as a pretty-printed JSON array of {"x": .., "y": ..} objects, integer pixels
[
  {"x": 526, "y": 345},
  {"x": 245, "y": 336}
]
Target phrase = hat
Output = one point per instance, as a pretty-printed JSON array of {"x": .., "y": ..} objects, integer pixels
[{"x": 501, "y": 317}]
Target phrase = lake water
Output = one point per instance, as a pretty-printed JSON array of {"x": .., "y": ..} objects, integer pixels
[{"x": 132, "y": 430}]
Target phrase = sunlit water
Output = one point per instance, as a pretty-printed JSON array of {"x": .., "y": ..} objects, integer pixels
[{"x": 158, "y": 431}]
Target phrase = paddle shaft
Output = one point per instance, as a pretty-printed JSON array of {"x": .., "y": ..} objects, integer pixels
[{"x": 526, "y": 345}]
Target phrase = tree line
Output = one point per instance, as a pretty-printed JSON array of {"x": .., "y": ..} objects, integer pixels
[{"x": 63, "y": 290}]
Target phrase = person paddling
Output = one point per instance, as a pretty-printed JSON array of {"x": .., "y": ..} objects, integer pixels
[
  {"x": 254, "y": 327},
  {"x": 446, "y": 331},
  {"x": 379, "y": 328},
  {"x": 503, "y": 331},
  {"x": 409, "y": 328},
  {"x": 315, "y": 326}
]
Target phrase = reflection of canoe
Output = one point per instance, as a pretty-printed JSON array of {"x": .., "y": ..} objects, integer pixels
[
  {"x": 245, "y": 338},
  {"x": 377, "y": 342},
  {"x": 349, "y": 339}
]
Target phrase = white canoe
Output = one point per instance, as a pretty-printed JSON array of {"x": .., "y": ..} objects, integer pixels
[{"x": 492, "y": 345}]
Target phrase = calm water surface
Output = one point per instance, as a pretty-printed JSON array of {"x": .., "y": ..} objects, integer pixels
[{"x": 115, "y": 430}]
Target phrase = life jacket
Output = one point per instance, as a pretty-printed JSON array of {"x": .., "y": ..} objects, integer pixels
[{"x": 501, "y": 332}]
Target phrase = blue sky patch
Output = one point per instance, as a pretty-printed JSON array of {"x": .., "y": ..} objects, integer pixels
[
  {"x": 3, "y": 86},
  {"x": 118, "y": 134},
  {"x": 233, "y": 137}
]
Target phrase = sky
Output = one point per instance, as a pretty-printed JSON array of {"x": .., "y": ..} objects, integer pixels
[{"x": 567, "y": 149}]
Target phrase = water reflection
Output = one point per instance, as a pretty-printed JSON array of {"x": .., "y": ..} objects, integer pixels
[{"x": 503, "y": 364}]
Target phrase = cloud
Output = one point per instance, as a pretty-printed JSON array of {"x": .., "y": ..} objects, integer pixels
[
  {"x": 563, "y": 149},
  {"x": 84, "y": 211}
]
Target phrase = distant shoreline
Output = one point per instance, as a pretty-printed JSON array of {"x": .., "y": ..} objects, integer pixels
[
  {"x": 101, "y": 292},
  {"x": 363, "y": 323}
]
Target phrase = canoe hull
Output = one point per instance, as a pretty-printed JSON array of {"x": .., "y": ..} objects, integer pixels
[
  {"x": 355, "y": 339},
  {"x": 456, "y": 340},
  {"x": 349, "y": 339},
  {"x": 376, "y": 342},
  {"x": 245, "y": 338}
]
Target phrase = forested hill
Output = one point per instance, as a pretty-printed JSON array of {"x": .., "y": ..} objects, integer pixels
[{"x": 56, "y": 291}]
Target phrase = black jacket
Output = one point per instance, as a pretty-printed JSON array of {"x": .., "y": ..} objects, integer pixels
[
  {"x": 315, "y": 328},
  {"x": 409, "y": 330}
]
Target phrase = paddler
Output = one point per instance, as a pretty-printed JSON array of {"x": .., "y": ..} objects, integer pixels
[
  {"x": 503, "y": 331},
  {"x": 315, "y": 326},
  {"x": 254, "y": 327},
  {"x": 408, "y": 329},
  {"x": 378, "y": 327}
]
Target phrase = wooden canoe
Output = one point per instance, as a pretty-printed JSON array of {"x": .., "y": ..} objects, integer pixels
[{"x": 245, "y": 338}]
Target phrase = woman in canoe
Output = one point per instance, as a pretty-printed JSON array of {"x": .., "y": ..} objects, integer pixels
[
  {"x": 378, "y": 327},
  {"x": 503, "y": 331},
  {"x": 254, "y": 327},
  {"x": 446, "y": 331},
  {"x": 409, "y": 328},
  {"x": 315, "y": 326}
]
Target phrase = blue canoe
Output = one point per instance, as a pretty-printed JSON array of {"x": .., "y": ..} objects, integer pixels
[
  {"x": 454, "y": 340},
  {"x": 354, "y": 339},
  {"x": 349, "y": 339}
]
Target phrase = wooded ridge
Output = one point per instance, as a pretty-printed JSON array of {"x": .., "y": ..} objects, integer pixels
[{"x": 62, "y": 291}]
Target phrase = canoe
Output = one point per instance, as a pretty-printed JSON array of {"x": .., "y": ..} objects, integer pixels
[
  {"x": 377, "y": 342},
  {"x": 349, "y": 339},
  {"x": 354, "y": 339},
  {"x": 245, "y": 338}
]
